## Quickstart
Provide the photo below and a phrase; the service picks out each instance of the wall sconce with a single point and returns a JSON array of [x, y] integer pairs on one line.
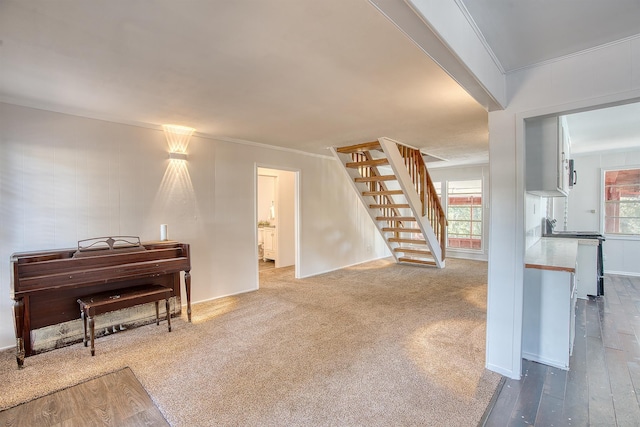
[[178, 140], [177, 156]]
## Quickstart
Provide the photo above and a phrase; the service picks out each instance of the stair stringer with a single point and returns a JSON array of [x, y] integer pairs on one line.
[[359, 188], [390, 149]]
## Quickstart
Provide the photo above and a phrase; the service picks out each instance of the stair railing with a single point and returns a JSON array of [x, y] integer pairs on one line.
[[431, 206], [377, 186]]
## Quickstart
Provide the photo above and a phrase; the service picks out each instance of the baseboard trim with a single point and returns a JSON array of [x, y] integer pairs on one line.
[[545, 361], [623, 273], [344, 266], [500, 370]]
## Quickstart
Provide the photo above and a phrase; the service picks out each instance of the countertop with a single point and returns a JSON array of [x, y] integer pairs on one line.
[[550, 253]]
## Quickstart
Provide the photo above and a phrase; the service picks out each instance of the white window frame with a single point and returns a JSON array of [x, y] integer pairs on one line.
[[444, 188]]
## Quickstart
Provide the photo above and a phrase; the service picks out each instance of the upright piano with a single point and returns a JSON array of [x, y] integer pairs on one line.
[[46, 285]]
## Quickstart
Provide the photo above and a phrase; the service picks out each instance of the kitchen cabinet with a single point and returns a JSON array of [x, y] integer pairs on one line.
[[549, 302], [270, 244], [547, 151], [548, 316]]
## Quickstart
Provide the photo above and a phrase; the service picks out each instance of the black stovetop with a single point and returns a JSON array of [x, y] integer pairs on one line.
[[576, 234]]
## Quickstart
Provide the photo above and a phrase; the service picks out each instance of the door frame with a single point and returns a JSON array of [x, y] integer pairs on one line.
[[296, 214]]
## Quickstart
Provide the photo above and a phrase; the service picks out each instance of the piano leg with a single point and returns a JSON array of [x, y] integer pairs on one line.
[[157, 314], [168, 306], [93, 335], [84, 328], [18, 312], [187, 286]]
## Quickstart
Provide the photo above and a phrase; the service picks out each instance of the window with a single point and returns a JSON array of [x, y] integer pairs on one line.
[[622, 201], [464, 212]]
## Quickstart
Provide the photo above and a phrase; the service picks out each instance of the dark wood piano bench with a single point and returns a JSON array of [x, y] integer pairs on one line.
[[118, 299]]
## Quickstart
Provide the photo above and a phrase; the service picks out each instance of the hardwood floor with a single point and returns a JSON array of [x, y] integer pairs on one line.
[[602, 387], [116, 399]]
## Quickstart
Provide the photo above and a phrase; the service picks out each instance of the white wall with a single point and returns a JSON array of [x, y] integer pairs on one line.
[[596, 77], [535, 210], [65, 178], [463, 173], [621, 253]]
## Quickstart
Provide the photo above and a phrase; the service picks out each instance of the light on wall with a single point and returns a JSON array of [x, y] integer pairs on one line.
[[178, 140]]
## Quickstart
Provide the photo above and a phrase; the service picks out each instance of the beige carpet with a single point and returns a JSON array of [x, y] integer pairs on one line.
[[377, 344]]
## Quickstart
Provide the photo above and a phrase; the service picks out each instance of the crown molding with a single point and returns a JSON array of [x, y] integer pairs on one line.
[[119, 120]]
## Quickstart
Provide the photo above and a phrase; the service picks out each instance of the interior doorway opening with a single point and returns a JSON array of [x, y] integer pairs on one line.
[[277, 218]]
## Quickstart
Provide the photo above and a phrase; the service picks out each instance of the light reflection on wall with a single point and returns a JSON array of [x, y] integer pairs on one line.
[[176, 190], [175, 199], [177, 137]]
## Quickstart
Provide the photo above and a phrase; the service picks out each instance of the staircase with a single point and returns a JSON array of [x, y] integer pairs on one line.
[[392, 181]]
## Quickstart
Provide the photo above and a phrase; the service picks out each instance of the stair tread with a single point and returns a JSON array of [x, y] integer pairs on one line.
[[402, 230], [368, 163], [412, 251], [382, 193], [417, 261], [395, 218], [376, 178], [391, 206], [366, 146], [411, 241]]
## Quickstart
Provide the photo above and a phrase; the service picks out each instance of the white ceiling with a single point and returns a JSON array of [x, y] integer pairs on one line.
[[292, 73], [608, 129], [523, 33], [297, 74]]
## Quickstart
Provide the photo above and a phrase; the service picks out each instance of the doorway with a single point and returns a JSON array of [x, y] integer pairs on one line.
[[276, 218]]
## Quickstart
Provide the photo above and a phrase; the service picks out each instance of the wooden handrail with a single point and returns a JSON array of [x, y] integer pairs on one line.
[[431, 206], [369, 171]]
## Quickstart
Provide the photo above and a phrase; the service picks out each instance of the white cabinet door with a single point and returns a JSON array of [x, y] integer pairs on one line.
[[270, 243], [546, 157]]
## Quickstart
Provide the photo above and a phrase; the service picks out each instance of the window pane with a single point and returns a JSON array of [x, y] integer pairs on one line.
[[477, 213], [629, 225], [477, 230], [459, 228], [459, 212], [622, 201]]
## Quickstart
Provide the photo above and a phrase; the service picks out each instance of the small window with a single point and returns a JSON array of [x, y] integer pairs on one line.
[[622, 202], [464, 213]]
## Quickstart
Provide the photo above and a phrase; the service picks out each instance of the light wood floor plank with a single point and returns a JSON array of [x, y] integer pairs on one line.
[[115, 399]]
